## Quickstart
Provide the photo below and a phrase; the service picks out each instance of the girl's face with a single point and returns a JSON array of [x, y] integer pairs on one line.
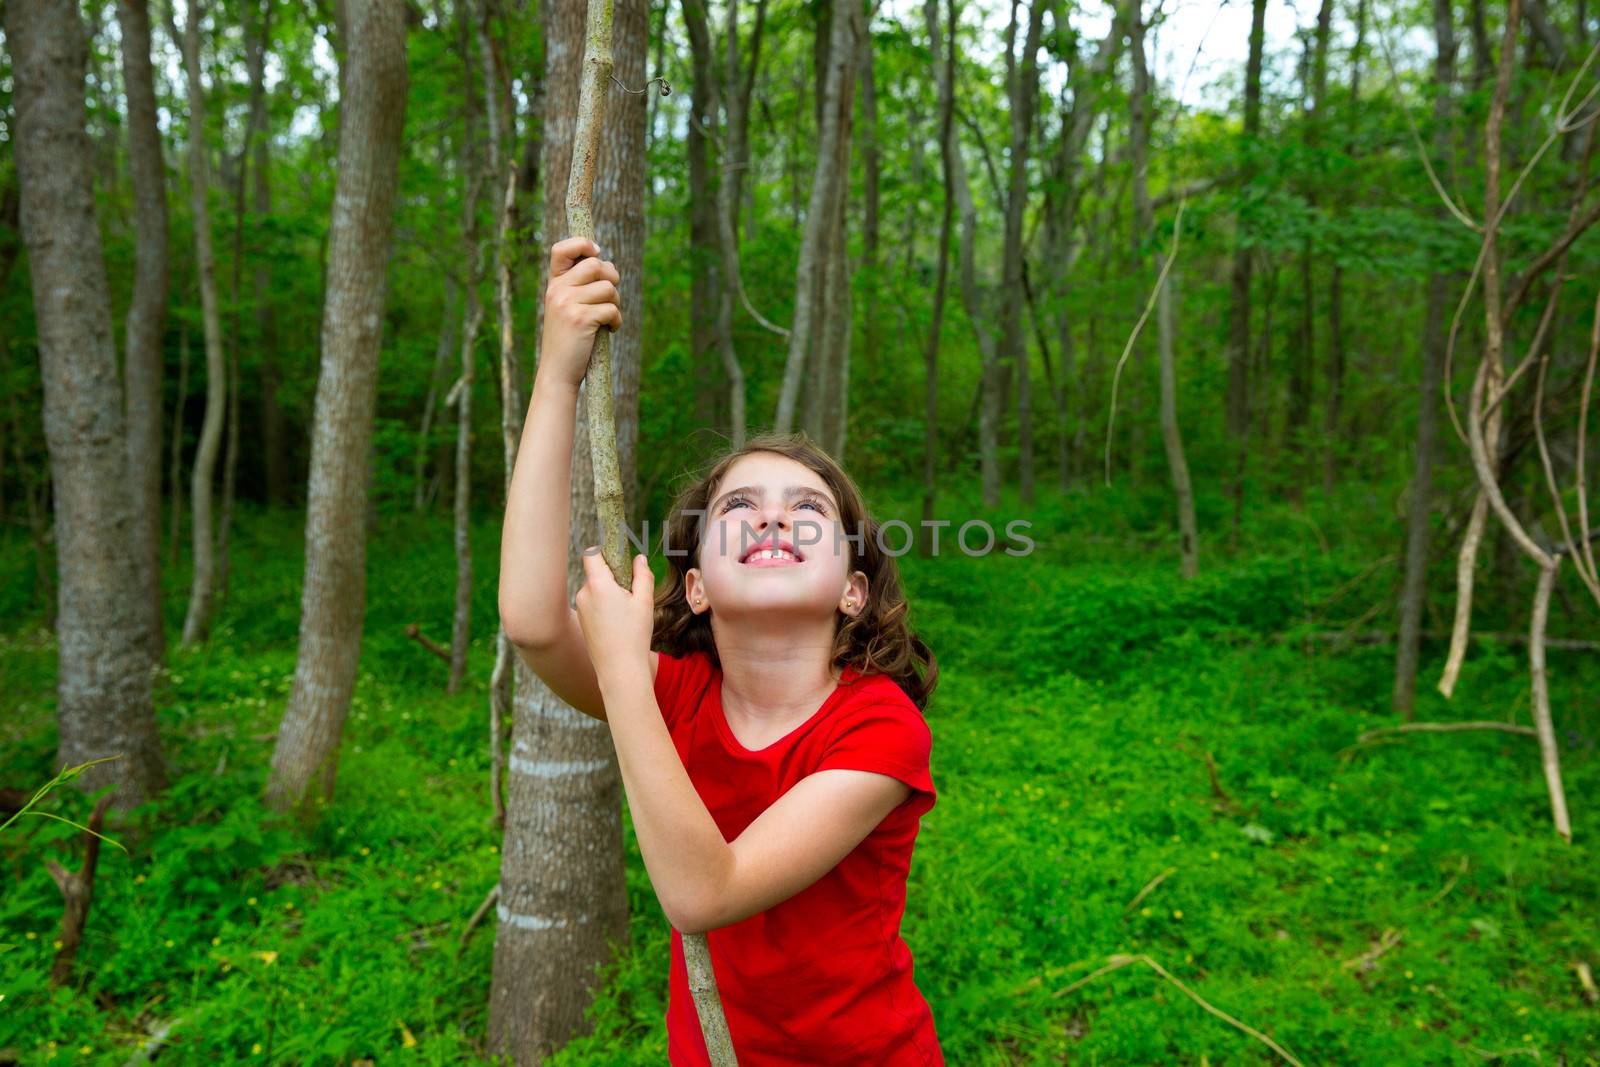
[[774, 546]]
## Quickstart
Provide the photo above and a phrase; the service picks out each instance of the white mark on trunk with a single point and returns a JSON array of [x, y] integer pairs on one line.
[[557, 768], [532, 922]]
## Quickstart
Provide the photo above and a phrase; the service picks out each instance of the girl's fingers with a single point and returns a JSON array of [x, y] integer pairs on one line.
[[603, 291], [592, 269], [563, 254]]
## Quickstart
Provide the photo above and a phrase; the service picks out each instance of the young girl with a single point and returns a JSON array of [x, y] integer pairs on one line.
[[774, 753]]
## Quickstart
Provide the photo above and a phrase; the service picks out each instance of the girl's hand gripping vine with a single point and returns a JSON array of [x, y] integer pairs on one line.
[[580, 298]]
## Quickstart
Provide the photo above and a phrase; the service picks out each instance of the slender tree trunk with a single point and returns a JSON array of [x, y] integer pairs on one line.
[[1172, 438], [103, 709], [441, 361], [1333, 412], [256, 38], [202, 591], [1022, 82], [472, 173], [705, 253], [507, 664], [563, 898], [824, 185], [1239, 304], [945, 68], [175, 477], [371, 116], [870, 207], [736, 94], [273, 435], [1467, 560], [147, 312], [1419, 511]]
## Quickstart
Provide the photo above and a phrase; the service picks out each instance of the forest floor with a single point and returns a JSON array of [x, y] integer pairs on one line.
[[1127, 764]]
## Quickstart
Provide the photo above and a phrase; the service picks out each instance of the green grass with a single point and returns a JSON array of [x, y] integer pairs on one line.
[[1084, 688]]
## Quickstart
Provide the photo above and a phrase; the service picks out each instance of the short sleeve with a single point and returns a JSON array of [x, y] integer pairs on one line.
[[676, 685], [892, 739]]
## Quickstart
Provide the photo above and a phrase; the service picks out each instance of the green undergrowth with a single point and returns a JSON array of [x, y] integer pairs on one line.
[[1128, 764]]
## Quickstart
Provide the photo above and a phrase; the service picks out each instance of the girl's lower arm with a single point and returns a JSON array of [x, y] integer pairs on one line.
[[533, 540]]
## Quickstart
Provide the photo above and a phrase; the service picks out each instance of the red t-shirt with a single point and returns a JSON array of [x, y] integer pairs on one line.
[[822, 978]]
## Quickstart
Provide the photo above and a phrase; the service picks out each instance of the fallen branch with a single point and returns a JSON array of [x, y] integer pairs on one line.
[[1586, 981], [1120, 960], [477, 917], [1447, 728], [1379, 637], [77, 890], [1210, 761], [1369, 959], [414, 632], [158, 1040], [1148, 889]]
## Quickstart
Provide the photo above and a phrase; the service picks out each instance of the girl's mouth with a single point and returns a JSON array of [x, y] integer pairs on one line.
[[771, 554]]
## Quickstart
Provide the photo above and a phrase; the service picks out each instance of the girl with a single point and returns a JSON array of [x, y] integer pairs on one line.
[[774, 753]]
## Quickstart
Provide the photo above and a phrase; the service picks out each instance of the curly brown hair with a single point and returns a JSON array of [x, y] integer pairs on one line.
[[878, 640]]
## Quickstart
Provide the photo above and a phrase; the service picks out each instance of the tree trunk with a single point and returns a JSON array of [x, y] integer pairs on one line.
[[103, 709], [870, 209], [824, 185], [563, 896], [1062, 236], [175, 475], [273, 439], [1239, 303], [472, 172], [430, 404], [705, 253], [371, 117], [1022, 84], [1333, 411], [1414, 586], [202, 591], [1172, 438], [256, 43], [945, 68], [147, 312]]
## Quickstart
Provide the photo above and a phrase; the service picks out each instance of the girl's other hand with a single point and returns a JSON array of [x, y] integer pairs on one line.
[[580, 298], [616, 622]]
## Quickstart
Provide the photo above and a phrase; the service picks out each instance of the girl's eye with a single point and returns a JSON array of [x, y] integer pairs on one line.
[[732, 501], [815, 504]]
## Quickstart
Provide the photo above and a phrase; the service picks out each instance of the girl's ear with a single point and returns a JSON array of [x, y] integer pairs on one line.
[[854, 600], [694, 590]]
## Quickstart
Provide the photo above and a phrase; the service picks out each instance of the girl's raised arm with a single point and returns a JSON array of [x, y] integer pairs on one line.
[[580, 298]]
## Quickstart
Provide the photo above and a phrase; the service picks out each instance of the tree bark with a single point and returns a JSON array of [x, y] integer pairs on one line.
[[103, 706], [202, 590], [371, 117], [563, 897], [147, 312]]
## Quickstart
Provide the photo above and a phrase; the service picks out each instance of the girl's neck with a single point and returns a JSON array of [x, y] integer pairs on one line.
[[773, 677]]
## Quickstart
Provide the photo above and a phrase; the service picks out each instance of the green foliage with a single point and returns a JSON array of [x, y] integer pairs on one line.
[[1071, 755]]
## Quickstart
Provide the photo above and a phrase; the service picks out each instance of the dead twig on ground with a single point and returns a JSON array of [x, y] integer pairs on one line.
[[1120, 960]]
